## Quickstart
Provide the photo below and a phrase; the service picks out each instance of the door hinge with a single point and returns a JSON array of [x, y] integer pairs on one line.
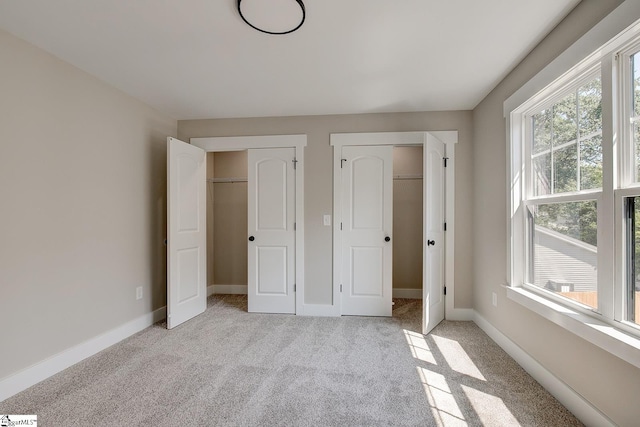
[[295, 163], [445, 226], [294, 226], [445, 161], [342, 162], [294, 287], [340, 226], [340, 287], [445, 290]]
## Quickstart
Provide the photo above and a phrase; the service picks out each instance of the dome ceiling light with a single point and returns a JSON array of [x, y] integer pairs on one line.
[[276, 17]]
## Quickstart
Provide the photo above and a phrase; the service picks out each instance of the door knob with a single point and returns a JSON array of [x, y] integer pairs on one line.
[[431, 242], [387, 239], [251, 238]]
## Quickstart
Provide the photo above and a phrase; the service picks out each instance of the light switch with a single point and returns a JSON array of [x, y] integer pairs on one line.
[[326, 219]]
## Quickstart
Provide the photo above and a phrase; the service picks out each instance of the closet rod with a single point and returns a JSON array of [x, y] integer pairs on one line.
[[406, 177], [226, 180]]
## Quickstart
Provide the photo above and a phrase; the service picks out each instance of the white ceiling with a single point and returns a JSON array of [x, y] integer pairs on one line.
[[198, 59]]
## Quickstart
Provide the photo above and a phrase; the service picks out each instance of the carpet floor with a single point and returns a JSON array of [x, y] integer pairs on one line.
[[228, 367]]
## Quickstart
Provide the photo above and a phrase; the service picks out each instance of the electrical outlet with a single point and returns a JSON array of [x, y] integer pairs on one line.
[[139, 292], [494, 298]]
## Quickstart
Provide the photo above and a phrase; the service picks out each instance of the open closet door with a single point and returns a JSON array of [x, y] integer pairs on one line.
[[186, 231], [433, 288]]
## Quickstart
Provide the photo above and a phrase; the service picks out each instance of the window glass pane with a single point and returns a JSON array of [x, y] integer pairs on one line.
[[565, 169], [542, 174], [541, 131], [590, 108], [591, 163], [633, 257], [564, 250], [635, 114], [635, 67], [564, 120], [636, 140]]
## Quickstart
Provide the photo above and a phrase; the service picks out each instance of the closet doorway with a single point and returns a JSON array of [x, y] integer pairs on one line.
[[275, 223], [227, 222], [363, 232]]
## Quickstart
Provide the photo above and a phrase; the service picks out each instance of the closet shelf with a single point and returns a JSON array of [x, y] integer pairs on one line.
[[226, 180]]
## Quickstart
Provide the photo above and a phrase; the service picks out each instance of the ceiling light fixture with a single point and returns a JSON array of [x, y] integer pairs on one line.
[[286, 31]]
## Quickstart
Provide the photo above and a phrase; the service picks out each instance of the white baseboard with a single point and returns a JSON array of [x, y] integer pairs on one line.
[[574, 402], [227, 289], [460, 314], [407, 293], [42, 370]]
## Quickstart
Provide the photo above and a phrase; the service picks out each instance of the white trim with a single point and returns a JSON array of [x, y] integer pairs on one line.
[[604, 326], [237, 143], [378, 138], [450, 201], [42, 370], [407, 293], [449, 138], [587, 327], [241, 143], [227, 289], [574, 402]]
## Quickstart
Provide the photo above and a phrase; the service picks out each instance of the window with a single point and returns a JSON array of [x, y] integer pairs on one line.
[[575, 189], [631, 147], [564, 159]]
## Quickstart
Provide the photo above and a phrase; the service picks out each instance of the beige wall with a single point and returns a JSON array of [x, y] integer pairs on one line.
[[230, 220], [82, 206], [407, 218], [319, 178], [604, 380]]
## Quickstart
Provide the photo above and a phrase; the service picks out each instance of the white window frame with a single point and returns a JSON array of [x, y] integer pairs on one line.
[[605, 327], [555, 93]]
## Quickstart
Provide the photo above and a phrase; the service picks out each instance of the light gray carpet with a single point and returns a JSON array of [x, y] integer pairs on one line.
[[230, 367]]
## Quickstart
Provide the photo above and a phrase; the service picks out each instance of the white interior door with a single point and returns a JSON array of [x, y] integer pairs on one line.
[[367, 223], [434, 247], [186, 231], [271, 217]]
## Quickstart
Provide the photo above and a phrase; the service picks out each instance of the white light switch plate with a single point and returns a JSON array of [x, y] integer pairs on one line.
[[326, 219]]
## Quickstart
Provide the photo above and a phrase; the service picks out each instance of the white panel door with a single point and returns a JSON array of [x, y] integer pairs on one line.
[[433, 289], [186, 231], [367, 223], [271, 251]]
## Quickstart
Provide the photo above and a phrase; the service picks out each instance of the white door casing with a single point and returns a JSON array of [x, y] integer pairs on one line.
[[271, 241], [450, 139], [433, 306], [367, 223], [186, 231]]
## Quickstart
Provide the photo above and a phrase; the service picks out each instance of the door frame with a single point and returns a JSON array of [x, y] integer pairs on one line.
[[449, 138], [298, 142]]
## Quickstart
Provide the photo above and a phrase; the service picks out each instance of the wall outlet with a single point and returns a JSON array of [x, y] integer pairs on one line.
[[494, 299], [326, 219], [139, 292]]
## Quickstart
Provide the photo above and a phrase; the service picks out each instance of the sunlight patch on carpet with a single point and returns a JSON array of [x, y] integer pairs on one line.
[[457, 358], [491, 410], [419, 348], [443, 404]]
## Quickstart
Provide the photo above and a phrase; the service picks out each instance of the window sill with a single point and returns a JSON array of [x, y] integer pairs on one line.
[[597, 332]]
